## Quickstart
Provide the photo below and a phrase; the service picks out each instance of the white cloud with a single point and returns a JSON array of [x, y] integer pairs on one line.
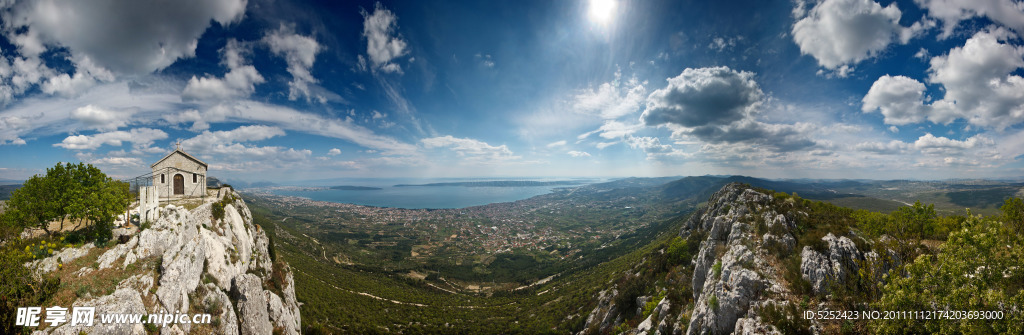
[[117, 161], [611, 100], [893, 147], [140, 138], [928, 144], [102, 119], [126, 36], [231, 152], [87, 74], [575, 153], [901, 100], [239, 82], [382, 42], [309, 123], [704, 96], [951, 12], [191, 115], [471, 149], [219, 141], [556, 144], [300, 54], [334, 152], [979, 81], [931, 144], [485, 60], [721, 44], [840, 33]]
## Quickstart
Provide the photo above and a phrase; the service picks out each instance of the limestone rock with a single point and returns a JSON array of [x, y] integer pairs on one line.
[[252, 304], [834, 266], [66, 255], [123, 300], [190, 247]]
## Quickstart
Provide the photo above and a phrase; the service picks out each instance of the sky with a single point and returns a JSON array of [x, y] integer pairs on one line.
[[280, 91]]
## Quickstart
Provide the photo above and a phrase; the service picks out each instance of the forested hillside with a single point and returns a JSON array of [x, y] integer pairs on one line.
[[748, 260]]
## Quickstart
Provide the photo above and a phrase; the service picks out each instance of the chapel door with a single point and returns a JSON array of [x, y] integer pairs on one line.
[[179, 184]]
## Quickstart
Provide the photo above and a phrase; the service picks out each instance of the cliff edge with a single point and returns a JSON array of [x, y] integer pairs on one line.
[[211, 259]]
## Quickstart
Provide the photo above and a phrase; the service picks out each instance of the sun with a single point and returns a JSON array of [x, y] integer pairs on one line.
[[602, 11]]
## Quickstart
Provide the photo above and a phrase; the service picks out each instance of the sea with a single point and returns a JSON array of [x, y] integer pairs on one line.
[[417, 197]]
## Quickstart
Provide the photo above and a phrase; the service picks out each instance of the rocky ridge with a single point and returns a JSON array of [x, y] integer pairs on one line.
[[200, 265], [737, 273]]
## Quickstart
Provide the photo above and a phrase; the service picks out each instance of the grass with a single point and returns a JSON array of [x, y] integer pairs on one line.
[[98, 282]]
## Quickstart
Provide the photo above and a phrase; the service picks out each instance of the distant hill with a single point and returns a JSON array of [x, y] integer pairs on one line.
[[500, 183], [354, 188], [5, 191]]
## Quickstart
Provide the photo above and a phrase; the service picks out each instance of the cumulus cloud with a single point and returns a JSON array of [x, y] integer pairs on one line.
[[239, 82], [383, 44], [928, 144], [979, 83], [140, 138], [575, 153], [931, 144], [901, 100], [101, 118], [20, 74], [334, 152], [300, 54], [841, 33], [951, 12], [893, 147], [125, 36], [704, 96], [87, 74], [781, 137], [471, 149]]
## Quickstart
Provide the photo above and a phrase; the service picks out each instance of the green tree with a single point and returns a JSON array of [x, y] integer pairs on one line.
[[67, 193]]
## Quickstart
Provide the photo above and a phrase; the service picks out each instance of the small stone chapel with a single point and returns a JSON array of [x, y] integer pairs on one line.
[[179, 175]]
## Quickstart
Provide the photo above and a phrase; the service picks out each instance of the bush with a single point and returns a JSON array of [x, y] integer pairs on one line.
[[20, 288], [1013, 214], [978, 269]]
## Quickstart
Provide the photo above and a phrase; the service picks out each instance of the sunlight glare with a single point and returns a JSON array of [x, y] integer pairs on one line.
[[601, 11]]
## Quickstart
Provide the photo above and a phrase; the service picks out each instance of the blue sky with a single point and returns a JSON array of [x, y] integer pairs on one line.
[[275, 90]]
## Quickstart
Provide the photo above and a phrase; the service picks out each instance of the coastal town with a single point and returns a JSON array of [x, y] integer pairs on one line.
[[554, 225]]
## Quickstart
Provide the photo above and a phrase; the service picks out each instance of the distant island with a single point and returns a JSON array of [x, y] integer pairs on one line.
[[354, 188], [502, 183]]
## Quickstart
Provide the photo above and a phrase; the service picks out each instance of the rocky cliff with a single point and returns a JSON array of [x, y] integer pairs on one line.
[[739, 280], [189, 262]]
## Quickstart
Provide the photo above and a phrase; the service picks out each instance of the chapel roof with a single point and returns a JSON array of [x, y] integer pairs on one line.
[[178, 150]]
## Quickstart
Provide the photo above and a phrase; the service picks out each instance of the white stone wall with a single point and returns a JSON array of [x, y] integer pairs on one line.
[[149, 206], [186, 167]]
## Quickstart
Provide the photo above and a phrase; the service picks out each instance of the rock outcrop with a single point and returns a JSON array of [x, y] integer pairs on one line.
[[191, 263], [737, 272]]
